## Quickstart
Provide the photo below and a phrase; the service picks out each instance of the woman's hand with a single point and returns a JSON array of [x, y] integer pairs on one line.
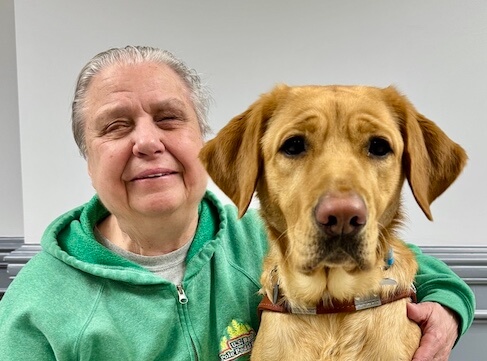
[[439, 326]]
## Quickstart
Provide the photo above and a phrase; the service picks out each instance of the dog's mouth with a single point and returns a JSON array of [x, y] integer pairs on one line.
[[345, 252]]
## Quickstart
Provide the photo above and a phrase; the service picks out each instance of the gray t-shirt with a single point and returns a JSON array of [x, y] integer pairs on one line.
[[170, 266]]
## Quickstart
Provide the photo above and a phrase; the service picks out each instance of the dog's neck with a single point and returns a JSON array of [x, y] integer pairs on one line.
[[329, 305], [306, 290]]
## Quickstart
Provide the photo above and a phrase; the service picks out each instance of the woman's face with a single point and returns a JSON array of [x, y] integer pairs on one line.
[[143, 140]]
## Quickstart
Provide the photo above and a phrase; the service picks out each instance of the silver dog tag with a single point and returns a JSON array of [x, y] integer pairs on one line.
[[303, 311], [388, 282], [362, 303], [275, 293]]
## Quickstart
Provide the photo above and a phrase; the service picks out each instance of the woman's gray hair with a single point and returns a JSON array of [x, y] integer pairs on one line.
[[200, 95]]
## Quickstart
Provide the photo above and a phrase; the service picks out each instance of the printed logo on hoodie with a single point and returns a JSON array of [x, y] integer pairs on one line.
[[237, 341]]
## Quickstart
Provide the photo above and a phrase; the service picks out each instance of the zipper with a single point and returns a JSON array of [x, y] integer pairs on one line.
[[182, 295], [183, 299]]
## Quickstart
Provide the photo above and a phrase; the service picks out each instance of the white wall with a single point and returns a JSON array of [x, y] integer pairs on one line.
[[10, 172], [434, 51]]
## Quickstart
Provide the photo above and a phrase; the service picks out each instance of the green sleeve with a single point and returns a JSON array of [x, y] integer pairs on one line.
[[436, 282], [20, 338]]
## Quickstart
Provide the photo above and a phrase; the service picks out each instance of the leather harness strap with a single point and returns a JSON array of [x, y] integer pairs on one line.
[[336, 306]]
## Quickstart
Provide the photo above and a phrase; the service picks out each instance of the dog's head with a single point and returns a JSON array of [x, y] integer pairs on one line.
[[328, 164]]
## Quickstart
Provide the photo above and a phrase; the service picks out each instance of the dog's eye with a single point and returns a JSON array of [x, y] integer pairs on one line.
[[294, 146], [379, 147]]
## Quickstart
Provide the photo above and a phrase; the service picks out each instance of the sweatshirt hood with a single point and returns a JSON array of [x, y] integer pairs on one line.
[[70, 239]]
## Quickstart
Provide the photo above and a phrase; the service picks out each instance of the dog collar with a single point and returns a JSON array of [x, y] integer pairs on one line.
[[335, 306], [279, 303]]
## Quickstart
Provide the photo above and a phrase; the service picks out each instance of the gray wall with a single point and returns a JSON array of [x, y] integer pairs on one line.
[[11, 221], [434, 51]]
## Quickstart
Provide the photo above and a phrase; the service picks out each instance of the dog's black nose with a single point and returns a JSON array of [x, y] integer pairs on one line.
[[341, 213]]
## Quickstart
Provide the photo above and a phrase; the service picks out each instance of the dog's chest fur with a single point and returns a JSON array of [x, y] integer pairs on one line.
[[374, 334]]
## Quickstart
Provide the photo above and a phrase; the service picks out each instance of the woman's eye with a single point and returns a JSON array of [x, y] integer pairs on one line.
[[165, 118], [116, 126], [294, 146], [379, 147], [167, 115]]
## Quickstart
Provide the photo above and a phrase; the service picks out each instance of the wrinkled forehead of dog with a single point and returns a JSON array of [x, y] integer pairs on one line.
[[355, 114], [337, 104]]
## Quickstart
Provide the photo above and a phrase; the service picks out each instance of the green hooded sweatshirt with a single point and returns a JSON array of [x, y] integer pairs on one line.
[[77, 300]]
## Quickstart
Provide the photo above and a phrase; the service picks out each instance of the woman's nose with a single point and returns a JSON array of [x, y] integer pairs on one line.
[[147, 139]]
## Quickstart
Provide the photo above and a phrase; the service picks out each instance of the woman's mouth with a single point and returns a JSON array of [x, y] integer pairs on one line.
[[152, 174]]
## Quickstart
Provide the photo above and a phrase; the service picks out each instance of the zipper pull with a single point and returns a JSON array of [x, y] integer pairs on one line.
[[182, 296]]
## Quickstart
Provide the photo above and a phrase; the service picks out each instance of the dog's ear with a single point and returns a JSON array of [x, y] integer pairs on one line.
[[431, 160], [233, 158]]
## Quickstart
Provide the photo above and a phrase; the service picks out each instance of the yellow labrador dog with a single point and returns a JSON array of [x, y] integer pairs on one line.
[[328, 164]]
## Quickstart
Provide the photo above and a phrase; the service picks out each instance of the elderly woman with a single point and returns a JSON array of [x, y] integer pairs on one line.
[[154, 267]]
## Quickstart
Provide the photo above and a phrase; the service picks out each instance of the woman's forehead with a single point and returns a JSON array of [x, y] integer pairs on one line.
[[153, 86]]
